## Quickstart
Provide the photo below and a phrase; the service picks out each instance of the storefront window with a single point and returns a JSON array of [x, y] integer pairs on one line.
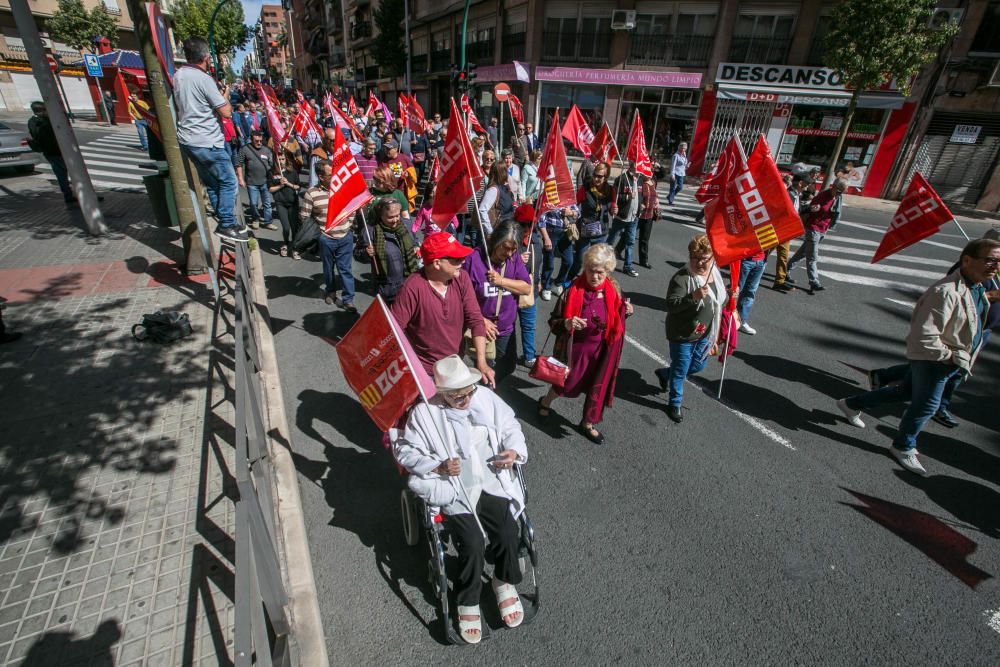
[[590, 100], [812, 134], [664, 122]]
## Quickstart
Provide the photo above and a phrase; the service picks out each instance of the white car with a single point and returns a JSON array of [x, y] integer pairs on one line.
[[14, 151]]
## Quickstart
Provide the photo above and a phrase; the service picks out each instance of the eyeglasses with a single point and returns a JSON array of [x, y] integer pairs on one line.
[[461, 395], [599, 177], [991, 262], [700, 258]]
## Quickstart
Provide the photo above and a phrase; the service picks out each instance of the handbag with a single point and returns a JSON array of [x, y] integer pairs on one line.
[[572, 232], [491, 345], [528, 300], [550, 369]]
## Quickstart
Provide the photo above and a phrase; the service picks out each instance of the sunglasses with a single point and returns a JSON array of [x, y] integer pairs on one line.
[[461, 394]]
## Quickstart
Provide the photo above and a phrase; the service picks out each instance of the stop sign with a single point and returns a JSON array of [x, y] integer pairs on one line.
[[501, 91], [53, 63]]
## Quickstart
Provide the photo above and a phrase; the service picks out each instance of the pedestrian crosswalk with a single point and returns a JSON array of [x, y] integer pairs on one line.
[[846, 252], [113, 162]]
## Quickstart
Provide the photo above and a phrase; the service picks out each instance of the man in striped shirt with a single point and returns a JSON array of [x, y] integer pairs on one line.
[[336, 244]]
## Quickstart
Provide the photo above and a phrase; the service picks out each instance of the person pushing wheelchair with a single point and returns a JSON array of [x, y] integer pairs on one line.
[[473, 422]]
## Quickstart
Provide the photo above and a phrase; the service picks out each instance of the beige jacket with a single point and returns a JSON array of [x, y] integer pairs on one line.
[[944, 324]]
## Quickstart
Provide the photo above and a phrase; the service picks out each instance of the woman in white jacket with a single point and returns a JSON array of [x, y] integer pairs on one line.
[[460, 450]]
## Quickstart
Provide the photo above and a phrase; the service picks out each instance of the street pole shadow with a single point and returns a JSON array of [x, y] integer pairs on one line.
[[936, 539]]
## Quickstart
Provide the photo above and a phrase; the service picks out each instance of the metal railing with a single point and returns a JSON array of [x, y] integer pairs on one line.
[[513, 47], [691, 50], [361, 30], [767, 50], [260, 594], [480, 53]]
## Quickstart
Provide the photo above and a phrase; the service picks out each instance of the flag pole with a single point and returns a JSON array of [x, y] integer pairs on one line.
[[423, 396], [739, 145], [368, 238], [960, 229], [725, 356], [479, 219]]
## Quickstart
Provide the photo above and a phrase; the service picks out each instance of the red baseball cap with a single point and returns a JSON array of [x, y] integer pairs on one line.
[[440, 245], [525, 214]]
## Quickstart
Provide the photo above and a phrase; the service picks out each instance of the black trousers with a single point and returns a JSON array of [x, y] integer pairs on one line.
[[289, 218], [645, 229], [506, 360], [502, 530]]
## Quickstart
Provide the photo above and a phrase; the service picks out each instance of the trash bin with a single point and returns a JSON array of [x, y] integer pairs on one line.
[[161, 198]]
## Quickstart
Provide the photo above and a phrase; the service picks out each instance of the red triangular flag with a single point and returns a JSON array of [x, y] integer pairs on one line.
[[373, 104], [348, 190], [458, 168], [553, 171], [418, 121], [274, 123], [727, 164], [636, 149], [921, 213], [516, 108], [753, 213], [352, 108], [343, 121], [577, 132], [603, 145], [470, 116], [402, 110]]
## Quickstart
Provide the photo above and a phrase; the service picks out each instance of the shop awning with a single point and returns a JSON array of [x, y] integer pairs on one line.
[[829, 98], [137, 74]]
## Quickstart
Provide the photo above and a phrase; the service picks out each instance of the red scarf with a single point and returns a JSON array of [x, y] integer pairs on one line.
[[574, 305]]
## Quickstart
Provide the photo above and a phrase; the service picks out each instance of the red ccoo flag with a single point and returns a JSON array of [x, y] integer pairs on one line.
[[274, 123], [348, 190], [726, 166], [373, 104], [636, 149], [920, 214], [352, 108], [603, 145], [459, 168], [753, 213], [418, 120], [343, 121], [470, 115], [516, 108], [577, 132], [381, 367], [553, 171], [403, 110]]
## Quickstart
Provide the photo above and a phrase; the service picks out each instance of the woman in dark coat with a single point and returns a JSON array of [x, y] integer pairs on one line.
[[594, 311]]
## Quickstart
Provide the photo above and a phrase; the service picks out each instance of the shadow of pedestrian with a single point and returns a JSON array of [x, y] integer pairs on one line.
[[631, 386], [955, 453], [825, 382], [968, 501], [55, 648], [331, 325]]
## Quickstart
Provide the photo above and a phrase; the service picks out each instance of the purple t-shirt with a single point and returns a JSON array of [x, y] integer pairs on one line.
[[486, 294]]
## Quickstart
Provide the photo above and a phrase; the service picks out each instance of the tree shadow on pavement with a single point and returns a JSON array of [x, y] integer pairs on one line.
[[56, 648], [362, 488], [939, 541], [824, 382]]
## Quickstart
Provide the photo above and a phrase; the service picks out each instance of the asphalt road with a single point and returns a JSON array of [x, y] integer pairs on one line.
[[762, 530]]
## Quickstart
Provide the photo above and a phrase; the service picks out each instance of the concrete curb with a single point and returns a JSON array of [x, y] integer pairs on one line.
[[308, 641]]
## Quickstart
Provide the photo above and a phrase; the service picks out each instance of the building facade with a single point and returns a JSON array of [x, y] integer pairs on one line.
[[271, 38]]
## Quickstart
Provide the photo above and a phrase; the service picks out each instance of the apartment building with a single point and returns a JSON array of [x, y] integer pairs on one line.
[[271, 40]]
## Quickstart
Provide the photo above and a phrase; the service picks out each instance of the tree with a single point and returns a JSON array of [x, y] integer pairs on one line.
[[72, 24], [191, 19], [388, 49], [872, 42]]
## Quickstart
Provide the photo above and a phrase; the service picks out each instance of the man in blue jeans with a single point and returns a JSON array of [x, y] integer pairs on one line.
[[946, 333], [254, 165], [751, 271], [336, 245], [200, 104], [626, 222]]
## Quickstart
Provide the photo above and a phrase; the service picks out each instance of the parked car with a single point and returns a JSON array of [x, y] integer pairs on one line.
[[14, 151]]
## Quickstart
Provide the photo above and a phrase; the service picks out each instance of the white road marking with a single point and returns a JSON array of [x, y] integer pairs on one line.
[[760, 426], [895, 270], [907, 304], [871, 282], [870, 228], [98, 172], [993, 619], [833, 247]]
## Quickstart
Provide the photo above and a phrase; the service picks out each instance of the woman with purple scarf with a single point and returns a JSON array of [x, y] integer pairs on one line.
[[591, 314]]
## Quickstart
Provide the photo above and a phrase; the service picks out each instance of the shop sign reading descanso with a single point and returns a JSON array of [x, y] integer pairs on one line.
[[780, 75]]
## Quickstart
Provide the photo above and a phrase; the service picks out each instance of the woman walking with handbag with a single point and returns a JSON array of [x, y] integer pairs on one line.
[[499, 278], [589, 324], [597, 206]]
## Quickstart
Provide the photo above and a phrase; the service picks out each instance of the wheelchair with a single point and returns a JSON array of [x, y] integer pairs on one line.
[[420, 519]]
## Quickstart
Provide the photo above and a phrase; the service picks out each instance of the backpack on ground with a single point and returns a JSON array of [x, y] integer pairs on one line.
[[163, 326]]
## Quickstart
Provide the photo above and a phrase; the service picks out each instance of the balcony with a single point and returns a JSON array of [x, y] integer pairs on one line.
[[419, 63], [766, 50], [577, 47], [513, 47], [480, 53], [441, 60], [361, 30], [687, 50]]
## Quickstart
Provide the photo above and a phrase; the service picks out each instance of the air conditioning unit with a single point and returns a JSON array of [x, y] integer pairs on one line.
[[623, 19], [943, 16]]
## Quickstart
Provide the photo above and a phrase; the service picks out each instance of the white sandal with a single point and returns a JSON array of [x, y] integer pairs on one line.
[[505, 592], [465, 626]]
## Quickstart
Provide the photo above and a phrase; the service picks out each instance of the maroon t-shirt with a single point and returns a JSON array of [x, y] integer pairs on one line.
[[435, 324]]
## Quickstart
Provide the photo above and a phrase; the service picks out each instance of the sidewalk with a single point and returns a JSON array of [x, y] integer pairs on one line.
[[116, 528]]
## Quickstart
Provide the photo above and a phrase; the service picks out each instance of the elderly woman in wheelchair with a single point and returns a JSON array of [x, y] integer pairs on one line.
[[462, 450]]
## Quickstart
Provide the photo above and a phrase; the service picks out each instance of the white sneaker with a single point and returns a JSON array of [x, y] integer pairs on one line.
[[557, 290], [853, 416], [747, 329], [908, 460], [546, 295]]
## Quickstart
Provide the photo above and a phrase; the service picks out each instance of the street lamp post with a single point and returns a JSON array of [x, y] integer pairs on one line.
[[211, 34]]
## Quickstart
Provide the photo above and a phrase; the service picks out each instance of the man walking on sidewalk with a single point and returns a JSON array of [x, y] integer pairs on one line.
[[200, 105], [43, 140], [253, 167], [823, 214]]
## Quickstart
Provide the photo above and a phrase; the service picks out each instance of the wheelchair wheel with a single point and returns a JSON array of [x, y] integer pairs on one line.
[[411, 520]]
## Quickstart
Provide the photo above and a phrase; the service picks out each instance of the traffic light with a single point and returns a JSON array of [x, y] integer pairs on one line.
[[470, 74]]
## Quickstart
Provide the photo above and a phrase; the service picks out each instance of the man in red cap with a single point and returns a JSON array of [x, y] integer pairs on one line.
[[437, 304]]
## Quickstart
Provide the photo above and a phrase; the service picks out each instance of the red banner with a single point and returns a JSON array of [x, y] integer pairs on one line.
[[373, 104], [274, 123], [727, 165], [920, 214], [381, 367], [754, 212], [352, 108], [636, 149], [402, 110], [418, 120], [458, 168], [348, 190], [303, 125], [470, 117], [577, 132], [603, 145], [343, 121], [553, 171], [516, 108]]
